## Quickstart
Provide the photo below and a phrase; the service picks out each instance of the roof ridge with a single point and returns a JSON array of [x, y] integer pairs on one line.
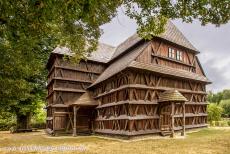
[[107, 44]]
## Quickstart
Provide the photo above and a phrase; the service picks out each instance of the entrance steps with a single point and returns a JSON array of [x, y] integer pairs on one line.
[[166, 133]]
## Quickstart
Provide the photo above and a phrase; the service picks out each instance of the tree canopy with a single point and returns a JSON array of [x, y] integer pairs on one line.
[[76, 24], [30, 29]]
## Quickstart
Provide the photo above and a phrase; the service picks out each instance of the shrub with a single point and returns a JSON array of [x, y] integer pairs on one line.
[[214, 112], [7, 120], [4, 126], [213, 123]]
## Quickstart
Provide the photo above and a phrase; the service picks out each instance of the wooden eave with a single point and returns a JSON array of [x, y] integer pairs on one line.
[[169, 71], [133, 102], [69, 90], [68, 79], [57, 106], [66, 90], [142, 102], [140, 86]]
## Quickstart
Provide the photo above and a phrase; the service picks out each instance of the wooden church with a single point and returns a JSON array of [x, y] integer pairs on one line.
[[139, 87]]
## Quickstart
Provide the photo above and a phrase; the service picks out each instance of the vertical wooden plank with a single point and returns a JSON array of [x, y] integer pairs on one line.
[[183, 131]]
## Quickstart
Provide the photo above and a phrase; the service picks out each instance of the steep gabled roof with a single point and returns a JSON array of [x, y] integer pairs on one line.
[[120, 64], [172, 34], [106, 53]]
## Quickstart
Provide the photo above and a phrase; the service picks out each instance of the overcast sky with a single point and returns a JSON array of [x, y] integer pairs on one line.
[[213, 43]]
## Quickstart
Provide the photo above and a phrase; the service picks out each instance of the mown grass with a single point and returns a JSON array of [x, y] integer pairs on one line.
[[205, 141]]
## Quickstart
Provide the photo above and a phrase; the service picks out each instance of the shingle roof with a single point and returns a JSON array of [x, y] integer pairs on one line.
[[132, 40], [172, 95], [171, 34], [120, 64], [85, 100], [103, 53], [168, 71]]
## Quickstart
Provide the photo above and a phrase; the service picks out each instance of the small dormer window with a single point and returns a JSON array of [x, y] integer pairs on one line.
[[171, 53], [179, 55]]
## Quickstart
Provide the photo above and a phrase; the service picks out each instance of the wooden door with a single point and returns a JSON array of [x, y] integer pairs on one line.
[[165, 117], [84, 120]]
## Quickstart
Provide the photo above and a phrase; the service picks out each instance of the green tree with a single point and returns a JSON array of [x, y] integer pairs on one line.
[[22, 82], [29, 29], [226, 94], [214, 112], [225, 104], [75, 24], [215, 98]]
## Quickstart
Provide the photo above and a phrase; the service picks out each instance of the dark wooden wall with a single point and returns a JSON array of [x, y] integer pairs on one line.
[[129, 100], [66, 83], [157, 53]]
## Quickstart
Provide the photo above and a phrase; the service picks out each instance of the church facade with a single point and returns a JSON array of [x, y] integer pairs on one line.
[[139, 87]]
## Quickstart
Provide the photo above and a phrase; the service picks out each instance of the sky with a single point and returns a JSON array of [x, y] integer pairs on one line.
[[212, 42]]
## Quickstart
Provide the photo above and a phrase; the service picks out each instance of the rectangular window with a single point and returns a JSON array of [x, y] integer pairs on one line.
[[179, 55], [171, 53]]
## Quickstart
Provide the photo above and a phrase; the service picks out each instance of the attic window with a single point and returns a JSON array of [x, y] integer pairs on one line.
[[179, 55], [171, 53]]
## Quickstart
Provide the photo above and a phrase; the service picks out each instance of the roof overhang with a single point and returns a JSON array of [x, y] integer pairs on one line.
[[169, 71]]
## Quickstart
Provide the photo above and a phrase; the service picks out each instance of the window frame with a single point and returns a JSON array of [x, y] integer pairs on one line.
[[171, 53], [179, 55]]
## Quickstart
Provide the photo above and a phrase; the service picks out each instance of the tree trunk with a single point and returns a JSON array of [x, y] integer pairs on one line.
[[23, 121]]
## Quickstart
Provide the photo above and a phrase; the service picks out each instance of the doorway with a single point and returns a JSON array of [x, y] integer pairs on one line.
[[165, 117]]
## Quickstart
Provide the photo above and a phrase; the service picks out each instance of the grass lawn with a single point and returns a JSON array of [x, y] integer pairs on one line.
[[205, 141]]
